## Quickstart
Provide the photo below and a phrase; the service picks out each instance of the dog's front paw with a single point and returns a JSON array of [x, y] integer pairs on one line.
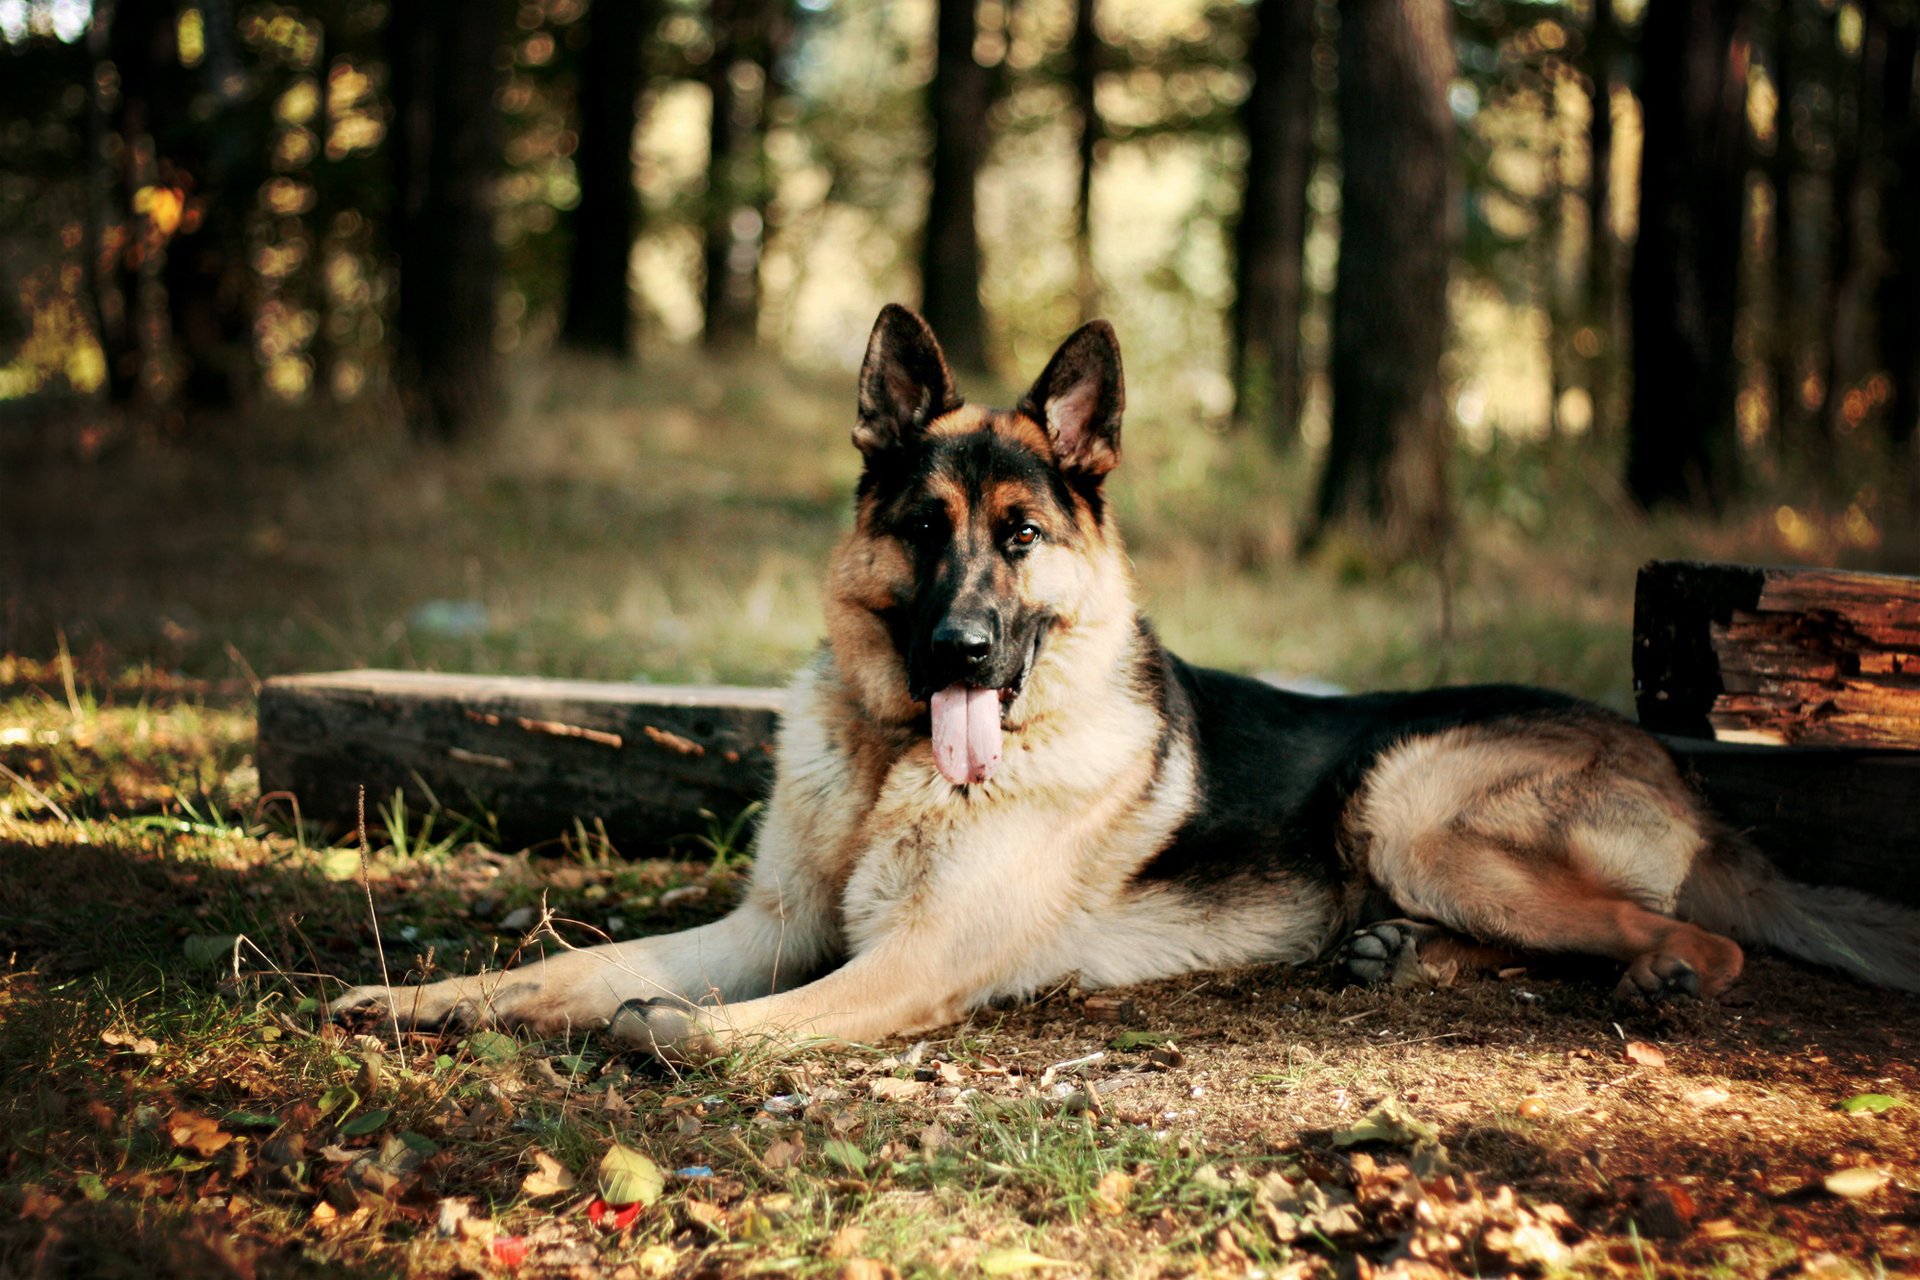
[[438, 1004], [671, 1029]]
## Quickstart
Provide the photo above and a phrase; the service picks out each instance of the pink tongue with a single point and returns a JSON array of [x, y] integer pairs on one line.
[[966, 733]]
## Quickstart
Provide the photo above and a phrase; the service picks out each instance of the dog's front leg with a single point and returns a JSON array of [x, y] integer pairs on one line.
[[929, 942], [749, 953]]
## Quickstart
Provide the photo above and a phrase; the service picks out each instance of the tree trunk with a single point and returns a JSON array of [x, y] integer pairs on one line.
[[1785, 358], [129, 298], [1603, 264], [445, 150], [747, 38], [1270, 239], [959, 100], [1681, 445], [1088, 54], [1899, 294], [1385, 473], [1857, 90], [599, 313]]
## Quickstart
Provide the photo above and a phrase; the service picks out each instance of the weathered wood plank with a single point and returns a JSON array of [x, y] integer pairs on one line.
[[536, 755], [1807, 657], [1825, 815]]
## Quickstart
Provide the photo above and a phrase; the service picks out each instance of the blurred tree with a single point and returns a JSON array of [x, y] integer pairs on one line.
[[1385, 471], [444, 149], [599, 307], [1088, 57], [1603, 248], [960, 100], [1898, 299], [1858, 64], [748, 39], [138, 215], [1788, 56], [217, 159], [1682, 446], [1270, 237]]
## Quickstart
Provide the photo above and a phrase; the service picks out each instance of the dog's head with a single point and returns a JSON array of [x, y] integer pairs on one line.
[[982, 539]]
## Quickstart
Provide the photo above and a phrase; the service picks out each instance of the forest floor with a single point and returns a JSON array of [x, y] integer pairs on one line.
[[173, 1102]]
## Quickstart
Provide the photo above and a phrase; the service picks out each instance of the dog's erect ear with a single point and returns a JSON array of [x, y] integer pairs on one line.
[[1079, 399], [904, 381]]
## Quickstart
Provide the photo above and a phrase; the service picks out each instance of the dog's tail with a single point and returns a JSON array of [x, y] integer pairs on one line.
[[1734, 889]]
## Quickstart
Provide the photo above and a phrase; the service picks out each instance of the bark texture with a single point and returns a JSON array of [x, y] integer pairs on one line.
[[1270, 239], [1385, 474], [959, 101], [1681, 440], [599, 314], [445, 150]]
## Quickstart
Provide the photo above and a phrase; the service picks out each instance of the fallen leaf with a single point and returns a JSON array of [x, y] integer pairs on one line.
[[627, 1177], [1667, 1211], [37, 1204], [204, 949], [1127, 1041], [126, 1042], [846, 1242], [197, 1133], [548, 1178], [1111, 1194], [784, 1153], [364, 1123], [1855, 1183], [657, 1260], [1869, 1103], [492, 1047], [888, 1089], [846, 1155], [1643, 1054], [867, 1269], [709, 1217], [1390, 1122], [1007, 1262], [1704, 1098]]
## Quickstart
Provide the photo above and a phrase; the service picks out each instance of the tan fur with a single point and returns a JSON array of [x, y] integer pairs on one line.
[[1554, 835]]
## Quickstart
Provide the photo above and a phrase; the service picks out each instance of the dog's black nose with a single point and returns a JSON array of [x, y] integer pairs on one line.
[[963, 642]]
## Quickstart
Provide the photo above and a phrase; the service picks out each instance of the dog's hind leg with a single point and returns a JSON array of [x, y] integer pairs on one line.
[[1557, 836], [1531, 901]]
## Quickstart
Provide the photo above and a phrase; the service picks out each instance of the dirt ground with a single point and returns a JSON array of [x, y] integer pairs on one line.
[[174, 1103]]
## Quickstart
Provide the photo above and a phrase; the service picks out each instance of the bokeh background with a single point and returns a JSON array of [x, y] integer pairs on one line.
[[519, 336]]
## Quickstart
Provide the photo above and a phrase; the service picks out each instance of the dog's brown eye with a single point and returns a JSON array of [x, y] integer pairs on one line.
[[1026, 535]]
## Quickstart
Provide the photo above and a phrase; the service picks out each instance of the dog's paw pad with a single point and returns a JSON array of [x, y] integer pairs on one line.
[[1387, 952]]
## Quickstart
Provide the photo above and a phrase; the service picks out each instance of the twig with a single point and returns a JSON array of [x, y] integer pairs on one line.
[[35, 793], [379, 947], [66, 674]]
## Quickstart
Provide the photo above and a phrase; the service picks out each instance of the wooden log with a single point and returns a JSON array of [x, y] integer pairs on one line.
[[1803, 657], [534, 755], [644, 760], [1824, 815]]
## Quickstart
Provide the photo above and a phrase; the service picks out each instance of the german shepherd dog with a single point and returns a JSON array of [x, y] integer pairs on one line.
[[993, 776]]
